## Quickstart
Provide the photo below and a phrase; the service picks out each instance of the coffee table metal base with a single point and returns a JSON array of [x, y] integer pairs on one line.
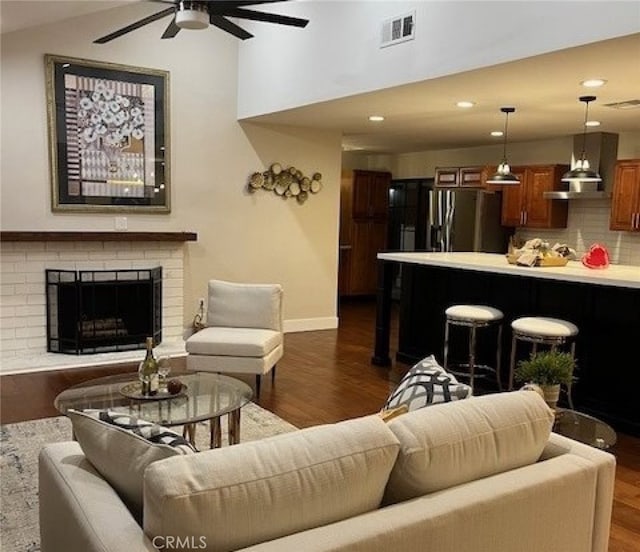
[[215, 430]]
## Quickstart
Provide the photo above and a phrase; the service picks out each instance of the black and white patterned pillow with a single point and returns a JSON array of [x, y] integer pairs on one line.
[[427, 383], [153, 433]]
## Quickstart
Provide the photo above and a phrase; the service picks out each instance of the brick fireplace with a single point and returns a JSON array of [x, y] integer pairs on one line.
[[24, 257]]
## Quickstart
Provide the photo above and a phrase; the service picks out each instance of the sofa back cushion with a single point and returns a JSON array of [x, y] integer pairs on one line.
[[257, 491], [244, 305], [453, 443]]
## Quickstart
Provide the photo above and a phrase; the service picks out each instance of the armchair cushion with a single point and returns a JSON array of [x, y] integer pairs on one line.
[[244, 305], [237, 342]]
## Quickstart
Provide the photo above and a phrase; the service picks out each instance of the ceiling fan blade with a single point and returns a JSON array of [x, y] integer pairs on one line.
[[171, 30], [262, 16], [226, 25], [134, 26]]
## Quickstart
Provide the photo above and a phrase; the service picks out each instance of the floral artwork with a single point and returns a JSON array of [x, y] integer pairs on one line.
[[110, 134], [112, 117], [108, 130]]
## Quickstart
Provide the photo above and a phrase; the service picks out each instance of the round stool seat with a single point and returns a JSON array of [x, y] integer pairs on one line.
[[473, 313], [544, 327]]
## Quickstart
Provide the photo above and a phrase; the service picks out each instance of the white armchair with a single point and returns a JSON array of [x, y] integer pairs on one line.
[[243, 331]]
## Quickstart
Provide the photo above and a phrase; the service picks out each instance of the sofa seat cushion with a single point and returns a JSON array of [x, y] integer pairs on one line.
[[261, 490], [452, 443], [120, 447], [237, 342], [427, 383]]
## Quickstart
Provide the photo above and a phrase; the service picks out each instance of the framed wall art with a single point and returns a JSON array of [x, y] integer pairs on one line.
[[108, 136]]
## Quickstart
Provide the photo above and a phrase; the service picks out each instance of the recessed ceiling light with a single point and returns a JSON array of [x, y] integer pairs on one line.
[[593, 83], [496, 133], [592, 123], [376, 118], [465, 104]]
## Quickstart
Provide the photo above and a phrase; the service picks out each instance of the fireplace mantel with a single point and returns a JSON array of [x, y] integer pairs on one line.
[[55, 236]]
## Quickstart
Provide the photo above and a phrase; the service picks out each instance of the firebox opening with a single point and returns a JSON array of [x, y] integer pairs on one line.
[[97, 311]]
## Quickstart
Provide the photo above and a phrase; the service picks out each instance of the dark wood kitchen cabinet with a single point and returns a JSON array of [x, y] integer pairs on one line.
[[625, 206], [460, 177], [364, 215], [524, 205]]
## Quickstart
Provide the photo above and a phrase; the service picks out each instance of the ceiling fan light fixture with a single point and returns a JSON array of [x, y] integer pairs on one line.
[[581, 171], [192, 16], [503, 175]]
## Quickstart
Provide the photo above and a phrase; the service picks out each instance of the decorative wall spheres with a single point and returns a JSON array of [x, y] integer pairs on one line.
[[286, 183]]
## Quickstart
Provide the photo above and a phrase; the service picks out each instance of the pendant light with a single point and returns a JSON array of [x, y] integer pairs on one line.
[[503, 174], [581, 172]]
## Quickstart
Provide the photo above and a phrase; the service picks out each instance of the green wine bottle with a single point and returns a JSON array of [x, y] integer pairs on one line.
[[148, 371]]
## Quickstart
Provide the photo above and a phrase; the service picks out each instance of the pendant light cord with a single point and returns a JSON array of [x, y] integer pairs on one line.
[[586, 100], [504, 147], [506, 111]]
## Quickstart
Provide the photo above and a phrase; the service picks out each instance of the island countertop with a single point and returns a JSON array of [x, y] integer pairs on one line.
[[614, 275]]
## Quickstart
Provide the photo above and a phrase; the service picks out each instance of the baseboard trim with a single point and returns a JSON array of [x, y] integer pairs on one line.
[[310, 324]]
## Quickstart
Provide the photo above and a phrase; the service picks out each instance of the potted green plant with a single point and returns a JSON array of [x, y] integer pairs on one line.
[[549, 370]]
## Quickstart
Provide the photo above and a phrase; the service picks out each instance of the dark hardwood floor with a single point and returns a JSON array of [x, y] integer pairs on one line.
[[324, 377]]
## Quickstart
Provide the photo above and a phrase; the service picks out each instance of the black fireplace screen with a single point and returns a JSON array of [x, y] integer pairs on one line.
[[97, 311]]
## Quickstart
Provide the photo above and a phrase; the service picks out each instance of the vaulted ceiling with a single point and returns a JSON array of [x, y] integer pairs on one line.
[[421, 116]]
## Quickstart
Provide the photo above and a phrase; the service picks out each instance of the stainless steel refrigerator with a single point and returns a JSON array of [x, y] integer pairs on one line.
[[465, 220]]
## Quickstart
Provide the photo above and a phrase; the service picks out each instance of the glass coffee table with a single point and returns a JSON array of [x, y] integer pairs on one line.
[[584, 428], [204, 397]]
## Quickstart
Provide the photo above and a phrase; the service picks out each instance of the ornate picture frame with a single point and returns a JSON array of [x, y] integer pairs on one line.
[[108, 130]]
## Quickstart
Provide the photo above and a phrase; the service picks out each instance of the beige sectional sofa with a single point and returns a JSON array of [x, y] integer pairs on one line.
[[480, 475]]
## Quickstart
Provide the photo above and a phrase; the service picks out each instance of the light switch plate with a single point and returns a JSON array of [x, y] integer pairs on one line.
[[121, 223]]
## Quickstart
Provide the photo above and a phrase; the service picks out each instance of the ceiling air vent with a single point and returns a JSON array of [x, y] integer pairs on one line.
[[398, 29], [629, 104]]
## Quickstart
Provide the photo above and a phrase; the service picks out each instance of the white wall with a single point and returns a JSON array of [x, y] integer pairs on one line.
[[241, 237], [338, 53], [588, 220]]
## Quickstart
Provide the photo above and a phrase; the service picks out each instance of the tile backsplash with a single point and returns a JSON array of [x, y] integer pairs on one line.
[[589, 223]]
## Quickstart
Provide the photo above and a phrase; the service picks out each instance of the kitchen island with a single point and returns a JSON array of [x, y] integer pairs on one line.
[[604, 304]]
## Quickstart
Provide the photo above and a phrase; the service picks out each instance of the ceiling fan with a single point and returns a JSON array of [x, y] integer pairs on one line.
[[198, 14]]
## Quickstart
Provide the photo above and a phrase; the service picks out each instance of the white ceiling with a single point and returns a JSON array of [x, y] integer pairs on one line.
[[21, 14], [421, 116], [543, 89]]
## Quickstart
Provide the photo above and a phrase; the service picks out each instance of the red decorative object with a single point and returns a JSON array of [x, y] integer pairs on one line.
[[596, 257]]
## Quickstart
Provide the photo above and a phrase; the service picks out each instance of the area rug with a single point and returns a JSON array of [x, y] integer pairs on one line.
[[19, 447]]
